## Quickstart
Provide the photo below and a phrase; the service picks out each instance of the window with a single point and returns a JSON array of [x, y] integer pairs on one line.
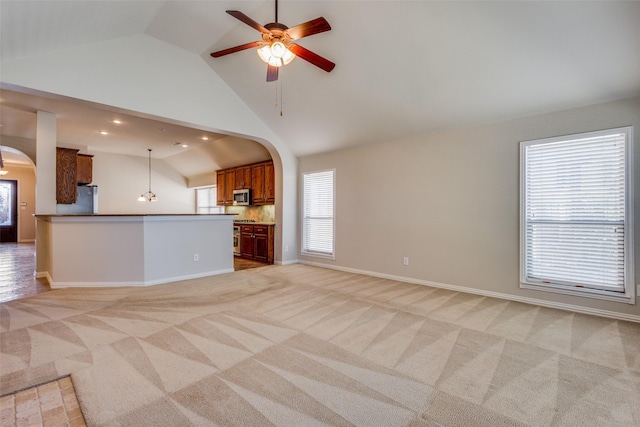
[[576, 220], [318, 214], [206, 201]]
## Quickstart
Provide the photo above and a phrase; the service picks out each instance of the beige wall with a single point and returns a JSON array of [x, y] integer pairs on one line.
[[26, 177], [450, 202]]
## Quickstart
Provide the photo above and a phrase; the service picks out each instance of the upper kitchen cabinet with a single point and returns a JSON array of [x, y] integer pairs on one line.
[[259, 177], [269, 183], [242, 177], [257, 183], [229, 186], [227, 181], [263, 183], [66, 175], [220, 188], [84, 173], [72, 169]]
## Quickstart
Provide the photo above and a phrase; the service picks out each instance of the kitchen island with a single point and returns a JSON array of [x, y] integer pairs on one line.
[[131, 250]]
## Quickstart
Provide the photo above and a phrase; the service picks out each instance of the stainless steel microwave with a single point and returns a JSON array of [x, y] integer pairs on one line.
[[242, 197]]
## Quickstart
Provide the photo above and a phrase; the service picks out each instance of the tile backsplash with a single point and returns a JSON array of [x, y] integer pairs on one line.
[[266, 213]]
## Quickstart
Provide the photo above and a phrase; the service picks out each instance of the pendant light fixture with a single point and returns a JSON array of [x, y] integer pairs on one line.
[[149, 196]]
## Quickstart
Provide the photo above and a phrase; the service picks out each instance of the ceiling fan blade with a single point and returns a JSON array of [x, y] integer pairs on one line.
[[315, 26], [272, 73], [311, 57], [250, 22], [236, 49]]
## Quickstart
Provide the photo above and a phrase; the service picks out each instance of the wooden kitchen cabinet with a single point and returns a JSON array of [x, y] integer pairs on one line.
[[84, 173], [242, 177], [259, 177], [220, 188], [247, 246], [225, 184], [66, 175], [269, 184], [263, 250], [229, 186], [263, 183], [257, 183], [256, 242]]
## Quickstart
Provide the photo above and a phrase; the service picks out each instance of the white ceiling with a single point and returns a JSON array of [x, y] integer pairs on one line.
[[79, 125], [404, 68]]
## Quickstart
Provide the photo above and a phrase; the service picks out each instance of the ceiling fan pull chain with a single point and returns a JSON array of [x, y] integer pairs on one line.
[[281, 97]]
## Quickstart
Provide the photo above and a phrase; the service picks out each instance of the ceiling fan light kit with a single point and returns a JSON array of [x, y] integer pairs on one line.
[[277, 48], [275, 54]]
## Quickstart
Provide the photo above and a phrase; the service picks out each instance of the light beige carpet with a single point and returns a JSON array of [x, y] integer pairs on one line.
[[304, 346]]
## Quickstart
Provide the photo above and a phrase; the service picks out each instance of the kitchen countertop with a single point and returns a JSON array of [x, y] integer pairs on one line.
[[253, 223]]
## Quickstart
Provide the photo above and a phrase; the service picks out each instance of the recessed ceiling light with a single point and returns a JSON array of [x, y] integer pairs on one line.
[[104, 132], [116, 121], [205, 138], [184, 145]]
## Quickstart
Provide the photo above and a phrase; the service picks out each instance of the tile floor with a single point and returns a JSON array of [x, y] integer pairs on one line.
[[51, 404]]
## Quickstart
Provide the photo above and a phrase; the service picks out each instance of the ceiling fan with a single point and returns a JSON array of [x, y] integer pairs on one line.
[[277, 47]]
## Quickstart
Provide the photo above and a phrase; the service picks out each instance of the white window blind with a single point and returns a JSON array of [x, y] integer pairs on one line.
[[318, 213], [574, 212]]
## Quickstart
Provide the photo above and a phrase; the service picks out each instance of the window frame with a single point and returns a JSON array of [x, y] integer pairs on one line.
[[303, 250], [629, 294], [210, 189]]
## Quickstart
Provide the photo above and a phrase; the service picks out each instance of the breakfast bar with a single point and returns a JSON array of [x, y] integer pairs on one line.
[[131, 250]]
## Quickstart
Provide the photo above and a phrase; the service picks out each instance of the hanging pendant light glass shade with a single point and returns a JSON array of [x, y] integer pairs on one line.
[[149, 196], [276, 54]]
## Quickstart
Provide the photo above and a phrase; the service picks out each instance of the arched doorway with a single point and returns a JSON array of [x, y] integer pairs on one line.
[[17, 197], [17, 234]]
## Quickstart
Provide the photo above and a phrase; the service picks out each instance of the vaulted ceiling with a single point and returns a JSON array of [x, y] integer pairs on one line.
[[404, 68]]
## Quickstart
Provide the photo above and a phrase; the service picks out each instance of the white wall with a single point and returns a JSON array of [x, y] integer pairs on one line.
[[142, 74], [121, 179], [450, 202]]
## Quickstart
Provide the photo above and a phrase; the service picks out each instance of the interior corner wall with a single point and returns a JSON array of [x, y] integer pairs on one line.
[[450, 203]]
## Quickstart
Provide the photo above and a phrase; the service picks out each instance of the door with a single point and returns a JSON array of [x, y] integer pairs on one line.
[[8, 211], [247, 249], [269, 183], [261, 247]]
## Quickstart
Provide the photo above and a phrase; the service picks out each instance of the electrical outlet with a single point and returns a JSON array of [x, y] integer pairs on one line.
[[196, 257], [405, 260], [286, 248]]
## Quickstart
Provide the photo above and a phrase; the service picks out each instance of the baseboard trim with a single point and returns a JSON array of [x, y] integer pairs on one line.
[[509, 297], [293, 261], [62, 285], [45, 275]]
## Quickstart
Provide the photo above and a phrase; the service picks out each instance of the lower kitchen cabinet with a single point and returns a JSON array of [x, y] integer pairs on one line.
[[256, 242]]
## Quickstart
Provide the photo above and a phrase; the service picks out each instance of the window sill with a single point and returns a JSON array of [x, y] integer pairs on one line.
[[318, 255], [627, 298]]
